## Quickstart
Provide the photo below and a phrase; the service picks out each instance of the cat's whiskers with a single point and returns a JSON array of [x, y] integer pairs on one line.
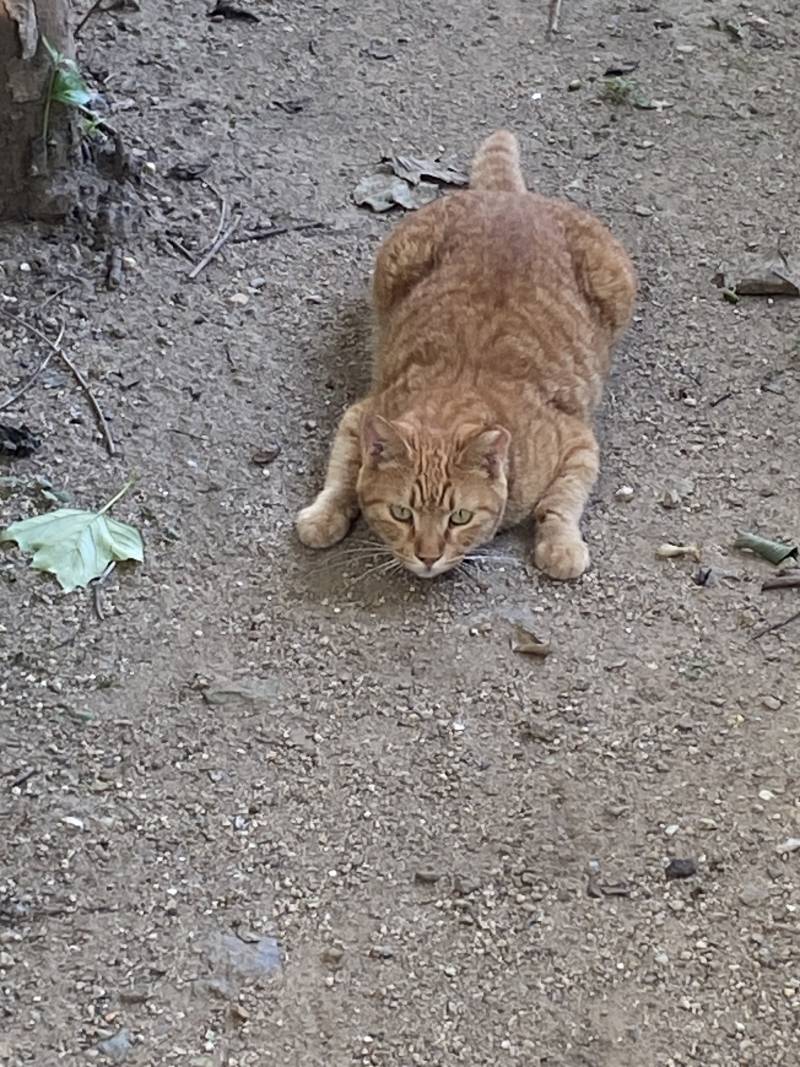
[[385, 568]]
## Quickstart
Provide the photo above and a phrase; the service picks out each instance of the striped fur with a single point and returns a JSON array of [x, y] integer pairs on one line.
[[496, 310], [495, 167]]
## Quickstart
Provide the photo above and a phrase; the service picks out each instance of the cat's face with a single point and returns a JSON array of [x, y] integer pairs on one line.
[[432, 499]]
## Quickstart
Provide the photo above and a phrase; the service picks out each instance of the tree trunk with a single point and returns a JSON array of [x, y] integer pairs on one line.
[[35, 164]]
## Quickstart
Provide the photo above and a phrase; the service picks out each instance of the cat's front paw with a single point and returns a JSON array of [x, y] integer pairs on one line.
[[562, 556], [322, 523]]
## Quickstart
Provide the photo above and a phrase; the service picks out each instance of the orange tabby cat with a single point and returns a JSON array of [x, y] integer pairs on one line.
[[496, 313]]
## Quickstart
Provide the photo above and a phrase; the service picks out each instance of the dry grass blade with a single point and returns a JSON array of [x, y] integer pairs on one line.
[[42, 366], [79, 378], [553, 16], [219, 243]]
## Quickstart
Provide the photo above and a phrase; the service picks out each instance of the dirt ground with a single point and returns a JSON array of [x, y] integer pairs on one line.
[[272, 810]]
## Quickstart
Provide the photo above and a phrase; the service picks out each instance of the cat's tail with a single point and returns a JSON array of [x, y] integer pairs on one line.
[[496, 165]]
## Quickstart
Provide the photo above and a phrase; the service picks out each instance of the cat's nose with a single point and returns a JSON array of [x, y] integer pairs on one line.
[[428, 561]]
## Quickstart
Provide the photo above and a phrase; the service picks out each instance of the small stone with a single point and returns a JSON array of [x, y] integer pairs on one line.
[[332, 955], [766, 794], [262, 457], [625, 493], [129, 263], [240, 299], [676, 904], [685, 48], [672, 829], [642, 211], [661, 958], [680, 868], [645, 144], [258, 283], [381, 952], [117, 1047], [427, 876], [73, 821], [25, 268], [670, 499], [149, 166], [771, 703], [576, 83], [753, 893], [791, 844]]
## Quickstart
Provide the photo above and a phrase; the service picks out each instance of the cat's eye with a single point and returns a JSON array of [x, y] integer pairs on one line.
[[400, 512], [461, 517]]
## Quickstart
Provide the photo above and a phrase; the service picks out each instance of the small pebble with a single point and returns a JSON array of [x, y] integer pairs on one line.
[[625, 493], [381, 952], [791, 844], [680, 868], [771, 703], [240, 299], [576, 83]]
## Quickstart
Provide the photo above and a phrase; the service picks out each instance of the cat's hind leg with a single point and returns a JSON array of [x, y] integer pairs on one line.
[[560, 550], [329, 518]]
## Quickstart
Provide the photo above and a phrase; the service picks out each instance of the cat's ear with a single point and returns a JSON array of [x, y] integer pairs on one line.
[[382, 442], [487, 452]]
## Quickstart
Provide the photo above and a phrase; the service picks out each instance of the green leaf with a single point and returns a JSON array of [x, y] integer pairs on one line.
[[775, 551], [68, 86], [76, 546]]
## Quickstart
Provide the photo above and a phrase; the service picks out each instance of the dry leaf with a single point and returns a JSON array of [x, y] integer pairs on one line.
[[529, 644], [414, 170]]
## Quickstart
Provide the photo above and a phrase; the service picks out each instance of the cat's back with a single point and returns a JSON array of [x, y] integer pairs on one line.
[[498, 249]]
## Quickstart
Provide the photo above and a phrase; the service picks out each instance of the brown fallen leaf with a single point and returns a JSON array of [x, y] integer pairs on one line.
[[777, 277], [529, 644], [383, 191], [413, 170]]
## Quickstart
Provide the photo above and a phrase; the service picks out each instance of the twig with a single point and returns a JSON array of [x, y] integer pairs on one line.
[[219, 243], [21, 779], [553, 15], [275, 231], [184, 251], [782, 581], [26, 386], [114, 268], [775, 626], [97, 5], [79, 378], [97, 585]]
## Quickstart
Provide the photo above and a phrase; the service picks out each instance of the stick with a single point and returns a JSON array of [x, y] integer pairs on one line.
[[775, 626], [95, 7], [97, 585], [24, 388], [275, 231], [553, 16], [79, 378], [219, 243], [782, 581]]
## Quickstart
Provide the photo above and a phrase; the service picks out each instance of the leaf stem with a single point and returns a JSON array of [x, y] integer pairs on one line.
[[117, 497]]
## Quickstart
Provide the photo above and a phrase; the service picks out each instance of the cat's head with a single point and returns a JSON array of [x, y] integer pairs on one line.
[[432, 498]]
